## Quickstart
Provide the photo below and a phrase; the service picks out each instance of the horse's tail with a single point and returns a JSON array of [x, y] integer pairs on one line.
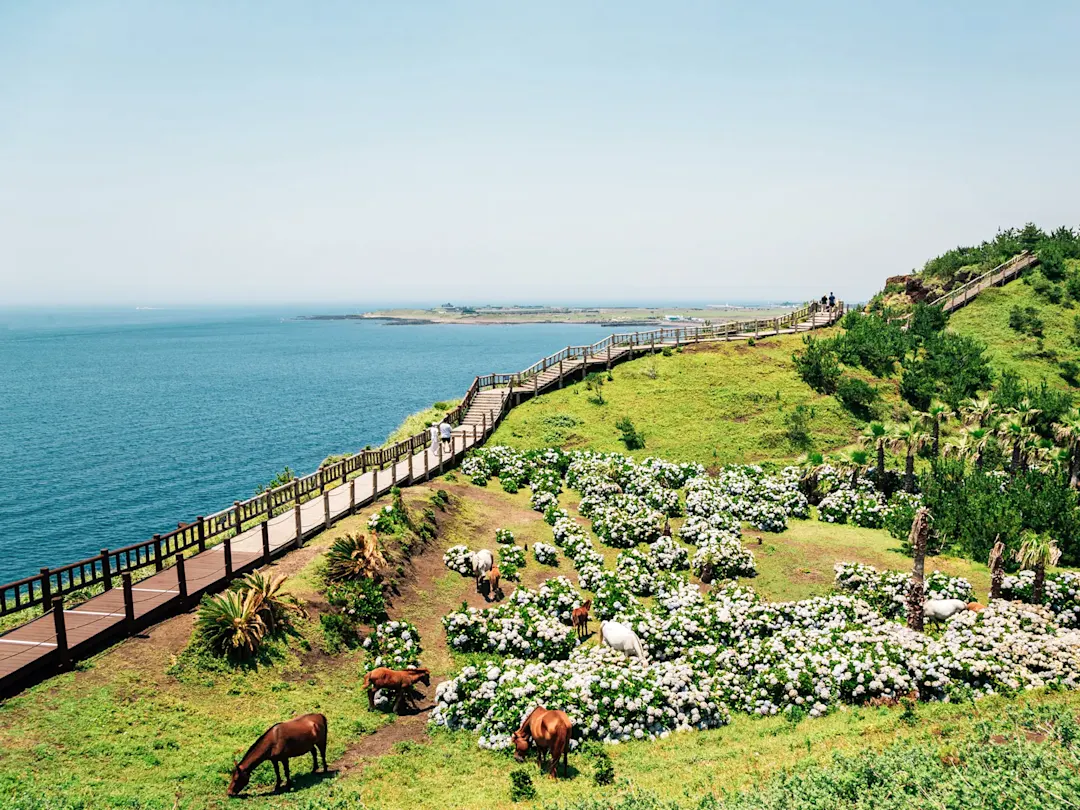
[[640, 651]]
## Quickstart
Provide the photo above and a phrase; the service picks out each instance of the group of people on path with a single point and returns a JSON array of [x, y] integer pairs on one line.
[[440, 435], [828, 300]]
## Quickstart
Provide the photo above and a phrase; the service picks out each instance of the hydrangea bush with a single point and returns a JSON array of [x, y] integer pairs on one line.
[[511, 561], [545, 554], [667, 555], [458, 558], [887, 590], [393, 644], [1061, 594]]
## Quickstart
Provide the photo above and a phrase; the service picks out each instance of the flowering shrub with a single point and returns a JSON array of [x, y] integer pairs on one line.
[[748, 493], [545, 554], [384, 521], [635, 570], [1062, 594], [900, 512], [504, 536], [722, 556], [623, 521], [667, 555], [866, 509], [542, 500], [511, 561], [697, 528], [887, 590], [393, 644], [459, 558], [613, 596], [606, 696]]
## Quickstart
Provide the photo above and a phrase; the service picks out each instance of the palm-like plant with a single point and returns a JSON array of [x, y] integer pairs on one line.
[[909, 439], [1036, 552], [355, 556], [971, 443], [1067, 432], [916, 597], [853, 463], [933, 418], [1014, 434], [271, 603], [875, 437], [979, 411], [229, 623]]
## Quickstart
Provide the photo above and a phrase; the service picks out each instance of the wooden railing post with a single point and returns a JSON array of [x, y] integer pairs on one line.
[[352, 497], [181, 580], [375, 482], [228, 558], [129, 603], [326, 509], [201, 532], [106, 570], [238, 518], [427, 463], [46, 588], [474, 433], [298, 524], [158, 564], [61, 630], [411, 454], [266, 541]]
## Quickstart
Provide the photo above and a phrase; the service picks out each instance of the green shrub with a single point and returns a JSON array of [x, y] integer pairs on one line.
[[666, 351], [856, 395], [630, 435], [360, 600], [797, 427], [1069, 370], [603, 768], [818, 365], [521, 786], [440, 500], [339, 632], [1026, 320]]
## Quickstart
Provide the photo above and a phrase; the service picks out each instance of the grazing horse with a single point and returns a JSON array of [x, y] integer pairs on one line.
[[579, 618], [482, 562], [400, 680], [493, 582], [620, 637], [939, 610], [976, 607], [279, 743], [549, 731]]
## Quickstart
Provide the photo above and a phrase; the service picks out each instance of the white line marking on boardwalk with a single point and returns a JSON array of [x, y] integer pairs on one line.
[[154, 590], [31, 643], [94, 612]]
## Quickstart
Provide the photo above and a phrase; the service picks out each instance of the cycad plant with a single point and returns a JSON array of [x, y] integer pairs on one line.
[[937, 414], [875, 437], [1067, 431], [354, 556], [272, 605], [908, 438], [1036, 552], [230, 624]]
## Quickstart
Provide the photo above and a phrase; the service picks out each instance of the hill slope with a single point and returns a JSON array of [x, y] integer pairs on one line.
[[712, 403]]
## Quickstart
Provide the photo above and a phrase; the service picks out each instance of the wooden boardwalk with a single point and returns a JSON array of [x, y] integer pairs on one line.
[[205, 555]]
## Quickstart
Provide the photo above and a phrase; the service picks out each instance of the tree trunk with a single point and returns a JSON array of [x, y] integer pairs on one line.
[[1014, 466], [909, 473], [920, 531], [881, 466], [1039, 586], [997, 569]]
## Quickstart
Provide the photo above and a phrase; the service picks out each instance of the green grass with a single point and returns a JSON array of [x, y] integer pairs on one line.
[[987, 318], [416, 422], [715, 403]]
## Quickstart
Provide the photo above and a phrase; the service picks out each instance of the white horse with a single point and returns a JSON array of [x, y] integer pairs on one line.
[[939, 610], [620, 637], [482, 562]]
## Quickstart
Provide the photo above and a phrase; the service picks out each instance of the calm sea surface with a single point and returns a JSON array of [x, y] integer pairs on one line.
[[116, 425]]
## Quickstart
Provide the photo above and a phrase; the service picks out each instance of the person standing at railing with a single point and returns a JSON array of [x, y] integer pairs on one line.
[[433, 438], [447, 434], [832, 302]]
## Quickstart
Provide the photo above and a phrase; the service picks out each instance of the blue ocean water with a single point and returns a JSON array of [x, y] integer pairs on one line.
[[116, 425]]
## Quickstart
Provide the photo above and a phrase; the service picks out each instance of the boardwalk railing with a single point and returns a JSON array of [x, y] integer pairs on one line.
[[206, 531], [1004, 272]]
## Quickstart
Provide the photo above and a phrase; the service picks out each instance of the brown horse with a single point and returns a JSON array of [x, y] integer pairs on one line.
[[493, 583], [579, 619], [549, 731], [400, 680], [279, 743]]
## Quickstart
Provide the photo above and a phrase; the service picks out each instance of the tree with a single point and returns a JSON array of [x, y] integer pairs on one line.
[[854, 463], [595, 383], [970, 444], [979, 411], [909, 438], [937, 414], [875, 437], [1067, 432], [1036, 552], [1016, 436], [997, 569], [920, 533]]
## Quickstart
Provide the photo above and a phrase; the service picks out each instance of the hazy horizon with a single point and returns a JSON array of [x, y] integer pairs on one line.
[[194, 154]]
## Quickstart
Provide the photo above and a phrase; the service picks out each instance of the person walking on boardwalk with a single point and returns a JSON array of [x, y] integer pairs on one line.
[[832, 300], [447, 435], [433, 438]]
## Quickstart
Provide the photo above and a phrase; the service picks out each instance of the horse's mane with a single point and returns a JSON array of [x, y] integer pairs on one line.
[[255, 744]]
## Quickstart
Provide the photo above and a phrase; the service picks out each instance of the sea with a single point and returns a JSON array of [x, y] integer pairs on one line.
[[115, 425]]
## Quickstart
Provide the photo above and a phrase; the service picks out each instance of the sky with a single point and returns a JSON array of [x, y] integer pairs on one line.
[[363, 153]]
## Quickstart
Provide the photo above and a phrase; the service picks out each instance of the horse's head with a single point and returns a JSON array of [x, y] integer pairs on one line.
[[424, 677], [239, 780], [521, 745]]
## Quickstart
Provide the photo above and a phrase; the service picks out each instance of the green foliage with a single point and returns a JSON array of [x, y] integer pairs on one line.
[[230, 625], [1026, 320], [361, 600], [956, 364], [797, 427], [927, 321], [872, 342], [354, 556], [440, 500], [629, 435], [521, 786], [1051, 404], [339, 632], [603, 768], [666, 351], [857, 396], [818, 365], [595, 382], [285, 476]]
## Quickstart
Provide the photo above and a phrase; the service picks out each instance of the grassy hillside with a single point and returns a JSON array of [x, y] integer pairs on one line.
[[1033, 357], [713, 403]]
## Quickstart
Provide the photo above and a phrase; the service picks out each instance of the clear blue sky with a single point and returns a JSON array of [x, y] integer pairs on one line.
[[162, 153]]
